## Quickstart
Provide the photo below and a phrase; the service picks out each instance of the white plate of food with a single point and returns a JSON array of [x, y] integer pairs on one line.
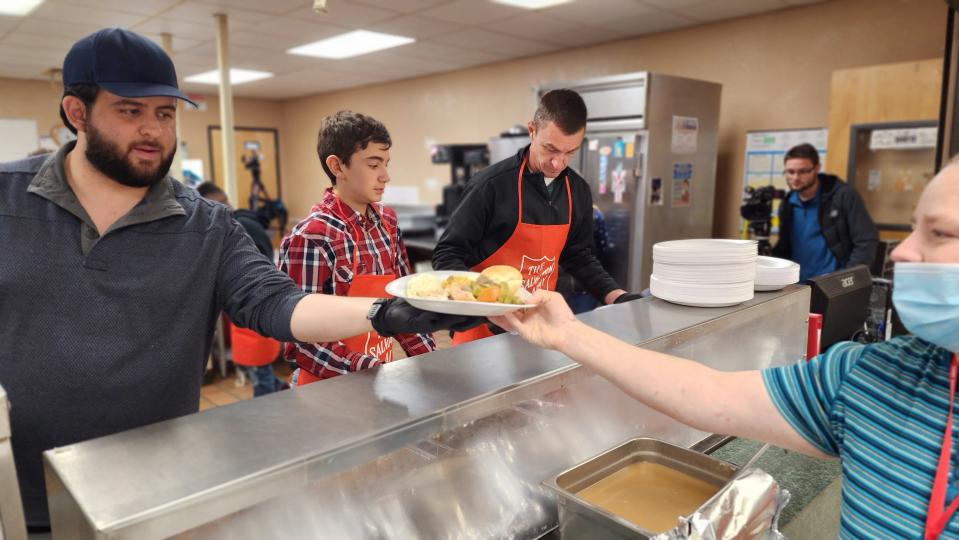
[[495, 291]]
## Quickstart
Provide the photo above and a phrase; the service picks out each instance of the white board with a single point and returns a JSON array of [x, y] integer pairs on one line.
[[18, 137]]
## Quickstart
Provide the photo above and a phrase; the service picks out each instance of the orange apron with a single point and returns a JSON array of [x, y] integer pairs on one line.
[[533, 249], [252, 349], [367, 286]]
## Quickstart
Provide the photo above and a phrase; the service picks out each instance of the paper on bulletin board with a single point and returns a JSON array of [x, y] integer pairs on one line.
[[685, 134], [682, 184], [875, 180], [619, 183]]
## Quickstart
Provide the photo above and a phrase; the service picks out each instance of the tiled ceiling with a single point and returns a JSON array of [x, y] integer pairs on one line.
[[450, 34]]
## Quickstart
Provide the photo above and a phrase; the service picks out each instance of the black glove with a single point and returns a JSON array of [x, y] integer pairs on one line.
[[627, 297], [396, 316], [495, 330]]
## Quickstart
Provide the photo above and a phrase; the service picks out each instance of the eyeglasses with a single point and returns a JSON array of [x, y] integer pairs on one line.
[[798, 172]]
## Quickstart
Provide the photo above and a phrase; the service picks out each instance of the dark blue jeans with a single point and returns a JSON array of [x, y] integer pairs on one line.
[[263, 379]]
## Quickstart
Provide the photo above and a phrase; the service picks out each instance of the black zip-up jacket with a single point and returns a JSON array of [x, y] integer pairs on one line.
[[486, 218], [845, 224]]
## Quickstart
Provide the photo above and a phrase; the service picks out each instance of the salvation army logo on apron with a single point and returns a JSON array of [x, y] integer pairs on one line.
[[537, 272], [379, 347]]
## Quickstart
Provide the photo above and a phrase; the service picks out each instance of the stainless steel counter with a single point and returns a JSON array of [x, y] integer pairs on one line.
[[401, 425]]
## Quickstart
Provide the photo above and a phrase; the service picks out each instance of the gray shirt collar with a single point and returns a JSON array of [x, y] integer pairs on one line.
[[51, 183]]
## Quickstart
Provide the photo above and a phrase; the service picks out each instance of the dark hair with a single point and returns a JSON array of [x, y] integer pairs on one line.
[[563, 107], [344, 133], [87, 93], [209, 188], [803, 151]]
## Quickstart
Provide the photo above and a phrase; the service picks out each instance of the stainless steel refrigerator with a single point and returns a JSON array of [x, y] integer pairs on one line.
[[650, 158]]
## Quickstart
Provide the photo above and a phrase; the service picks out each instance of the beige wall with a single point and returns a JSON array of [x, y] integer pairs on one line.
[[40, 101], [775, 70], [32, 100]]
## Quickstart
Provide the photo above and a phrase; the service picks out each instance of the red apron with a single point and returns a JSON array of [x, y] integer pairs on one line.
[[533, 249], [938, 514], [367, 286]]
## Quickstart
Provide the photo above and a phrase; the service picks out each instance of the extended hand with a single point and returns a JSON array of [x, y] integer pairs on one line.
[[398, 317], [548, 324]]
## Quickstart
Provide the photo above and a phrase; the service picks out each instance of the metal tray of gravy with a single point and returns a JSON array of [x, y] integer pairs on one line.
[[655, 463]]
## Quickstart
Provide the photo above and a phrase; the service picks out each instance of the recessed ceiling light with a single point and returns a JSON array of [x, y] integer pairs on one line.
[[18, 7], [350, 44], [532, 4], [237, 76]]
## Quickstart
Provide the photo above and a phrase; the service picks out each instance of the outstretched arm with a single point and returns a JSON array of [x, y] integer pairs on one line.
[[731, 403]]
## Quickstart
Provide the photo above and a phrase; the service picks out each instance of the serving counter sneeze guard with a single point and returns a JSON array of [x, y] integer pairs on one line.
[[453, 444]]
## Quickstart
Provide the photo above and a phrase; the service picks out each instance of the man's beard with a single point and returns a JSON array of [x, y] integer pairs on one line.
[[114, 163]]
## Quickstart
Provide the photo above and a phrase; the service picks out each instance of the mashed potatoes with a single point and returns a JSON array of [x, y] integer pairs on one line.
[[426, 286]]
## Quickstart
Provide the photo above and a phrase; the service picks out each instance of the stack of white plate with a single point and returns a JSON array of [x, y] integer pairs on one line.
[[704, 272], [773, 274]]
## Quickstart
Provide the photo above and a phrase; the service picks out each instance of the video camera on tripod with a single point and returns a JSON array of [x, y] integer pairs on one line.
[[757, 210]]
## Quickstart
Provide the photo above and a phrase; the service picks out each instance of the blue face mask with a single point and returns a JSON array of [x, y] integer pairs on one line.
[[926, 296]]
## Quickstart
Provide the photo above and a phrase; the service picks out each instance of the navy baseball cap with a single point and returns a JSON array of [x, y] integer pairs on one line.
[[124, 63]]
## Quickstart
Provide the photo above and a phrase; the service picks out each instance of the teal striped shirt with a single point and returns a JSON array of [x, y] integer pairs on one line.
[[881, 409]]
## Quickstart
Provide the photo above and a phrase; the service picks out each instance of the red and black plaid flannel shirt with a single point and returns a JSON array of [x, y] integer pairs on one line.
[[318, 255]]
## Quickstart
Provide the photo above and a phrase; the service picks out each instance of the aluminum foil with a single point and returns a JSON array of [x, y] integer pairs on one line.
[[747, 508]]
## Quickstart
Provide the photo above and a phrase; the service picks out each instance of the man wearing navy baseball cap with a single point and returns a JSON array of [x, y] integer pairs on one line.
[[114, 273]]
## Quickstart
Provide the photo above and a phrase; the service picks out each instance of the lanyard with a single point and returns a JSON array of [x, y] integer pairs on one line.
[[938, 514]]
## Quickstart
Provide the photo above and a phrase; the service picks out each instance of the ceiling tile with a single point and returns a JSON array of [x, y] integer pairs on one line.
[[472, 12], [342, 13], [197, 12], [138, 7], [404, 6], [416, 27], [48, 58], [598, 11], [590, 36], [536, 26], [72, 31], [184, 29], [24, 39], [72, 13], [307, 31], [22, 71], [673, 4], [180, 43], [729, 9], [274, 7], [649, 23], [482, 40], [450, 54], [265, 41], [9, 23]]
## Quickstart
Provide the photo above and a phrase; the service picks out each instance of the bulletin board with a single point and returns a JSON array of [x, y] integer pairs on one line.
[[763, 163]]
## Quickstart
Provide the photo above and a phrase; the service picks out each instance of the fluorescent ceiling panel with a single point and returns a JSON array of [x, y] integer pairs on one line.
[[532, 4], [18, 7], [351, 44], [237, 76]]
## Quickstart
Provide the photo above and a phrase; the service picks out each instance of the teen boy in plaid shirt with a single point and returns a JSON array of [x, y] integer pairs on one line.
[[349, 245]]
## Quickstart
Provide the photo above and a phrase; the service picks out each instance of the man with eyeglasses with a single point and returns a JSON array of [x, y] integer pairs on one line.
[[823, 223]]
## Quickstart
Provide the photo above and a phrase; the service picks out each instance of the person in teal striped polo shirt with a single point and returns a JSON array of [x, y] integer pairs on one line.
[[882, 408]]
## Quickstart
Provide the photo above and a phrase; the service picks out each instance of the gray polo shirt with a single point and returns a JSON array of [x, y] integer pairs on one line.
[[104, 333]]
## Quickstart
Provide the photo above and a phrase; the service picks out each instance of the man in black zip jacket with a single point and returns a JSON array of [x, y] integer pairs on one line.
[[556, 204], [823, 223]]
